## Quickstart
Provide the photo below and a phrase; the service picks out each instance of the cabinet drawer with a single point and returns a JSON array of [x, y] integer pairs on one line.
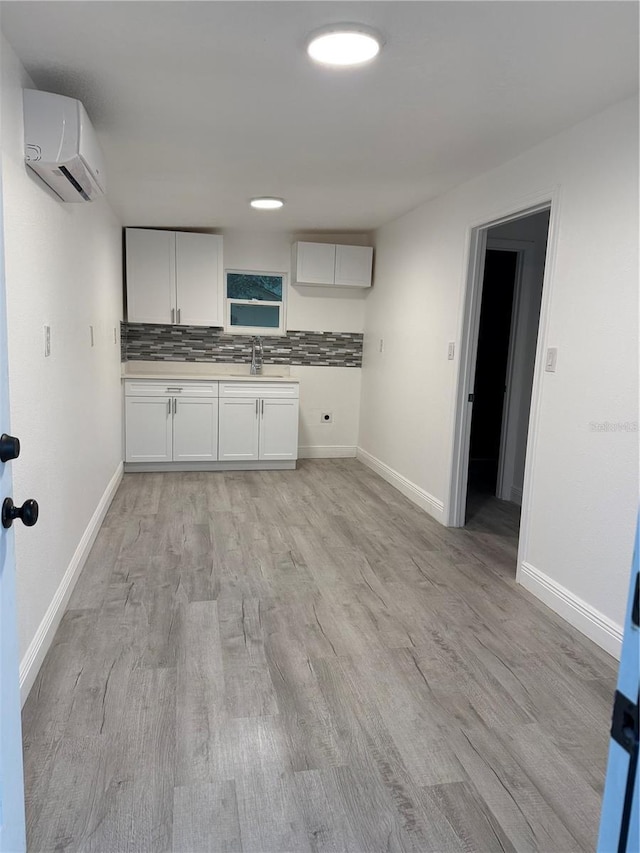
[[285, 390], [165, 388]]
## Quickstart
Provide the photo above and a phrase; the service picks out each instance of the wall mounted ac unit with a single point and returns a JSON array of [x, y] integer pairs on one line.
[[62, 147]]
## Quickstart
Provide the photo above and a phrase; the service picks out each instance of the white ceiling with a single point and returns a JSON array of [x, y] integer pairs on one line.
[[201, 105]]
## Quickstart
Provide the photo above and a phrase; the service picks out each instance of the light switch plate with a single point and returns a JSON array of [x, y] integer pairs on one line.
[[551, 360]]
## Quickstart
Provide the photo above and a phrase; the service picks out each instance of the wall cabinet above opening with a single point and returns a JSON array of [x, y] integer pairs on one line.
[[174, 277], [332, 264]]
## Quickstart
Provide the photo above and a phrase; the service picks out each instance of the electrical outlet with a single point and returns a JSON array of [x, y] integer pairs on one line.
[[551, 360], [47, 341], [115, 335], [326, 418], [381, 345], [451, 350]]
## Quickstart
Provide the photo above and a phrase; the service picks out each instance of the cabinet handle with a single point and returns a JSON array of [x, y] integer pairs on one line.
[[175, 405], [169, 406], [256, 407], [178, 320], [176, 388], [173, 315], [262, 407]]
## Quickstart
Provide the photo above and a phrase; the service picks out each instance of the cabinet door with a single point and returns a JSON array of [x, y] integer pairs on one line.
[[278, 429], [151, 275], [195, 429], [353, 266], [199, 279], [315, 263], [239, 423], [148, 429]]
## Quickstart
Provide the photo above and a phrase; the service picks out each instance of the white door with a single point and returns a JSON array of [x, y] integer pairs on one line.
[[353, 266], [199, 279], [151, 275], [316, 263], [12, 825], [239, 424], [278, 429], [195, 429], [148, 429]]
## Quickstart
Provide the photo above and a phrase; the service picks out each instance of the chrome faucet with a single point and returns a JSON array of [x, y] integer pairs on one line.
[[256, 356]]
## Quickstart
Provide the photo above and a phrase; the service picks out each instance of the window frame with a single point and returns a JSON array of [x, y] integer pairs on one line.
[[262, 331]]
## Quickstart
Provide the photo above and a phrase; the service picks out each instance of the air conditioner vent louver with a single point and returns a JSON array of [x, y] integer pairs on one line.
[[73, 182]]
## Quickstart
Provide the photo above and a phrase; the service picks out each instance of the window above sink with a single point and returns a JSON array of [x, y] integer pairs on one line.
[[255, 302]]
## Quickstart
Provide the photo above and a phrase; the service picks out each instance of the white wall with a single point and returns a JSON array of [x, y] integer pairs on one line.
[[63, 268], [316, 309], [533, 231], [584, 488]]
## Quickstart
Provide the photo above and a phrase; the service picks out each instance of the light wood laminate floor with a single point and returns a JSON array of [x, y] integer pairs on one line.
[[304, 661]]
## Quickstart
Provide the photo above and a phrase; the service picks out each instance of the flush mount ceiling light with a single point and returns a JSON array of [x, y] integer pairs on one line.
[[266, 203], [344, 45]]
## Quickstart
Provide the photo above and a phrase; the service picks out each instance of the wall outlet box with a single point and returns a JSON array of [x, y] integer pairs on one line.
[[326, 418]]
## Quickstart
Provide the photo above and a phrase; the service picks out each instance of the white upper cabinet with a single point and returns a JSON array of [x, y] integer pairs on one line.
[[151, 276], [315, 263], [199, 278], [331, 264], [174, 277], [353, 266]]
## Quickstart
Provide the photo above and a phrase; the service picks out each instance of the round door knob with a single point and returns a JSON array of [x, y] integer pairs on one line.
[[9, 447], [27, 513]]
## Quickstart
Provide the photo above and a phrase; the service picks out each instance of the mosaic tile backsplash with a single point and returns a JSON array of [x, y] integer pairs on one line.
[[150, 342]]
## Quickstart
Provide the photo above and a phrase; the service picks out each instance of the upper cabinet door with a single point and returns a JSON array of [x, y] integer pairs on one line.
[[353, 266], [151, 276], [315, 263], [199, 279]]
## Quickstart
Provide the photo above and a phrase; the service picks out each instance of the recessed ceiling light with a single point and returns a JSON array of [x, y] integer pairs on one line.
[[266, 203], [343, 45]]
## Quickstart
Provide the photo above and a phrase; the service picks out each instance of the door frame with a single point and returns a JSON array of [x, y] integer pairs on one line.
[[468, 336]]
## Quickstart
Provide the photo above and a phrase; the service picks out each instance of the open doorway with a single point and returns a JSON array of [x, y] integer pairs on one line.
[[503, 323]]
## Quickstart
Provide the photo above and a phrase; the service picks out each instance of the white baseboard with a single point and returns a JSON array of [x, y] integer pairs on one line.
[[410, 490], [39, 646], [516, 495], [584, 617], [328, 451]]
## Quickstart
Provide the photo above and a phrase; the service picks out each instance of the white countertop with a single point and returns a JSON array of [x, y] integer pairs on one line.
[[207, 371]]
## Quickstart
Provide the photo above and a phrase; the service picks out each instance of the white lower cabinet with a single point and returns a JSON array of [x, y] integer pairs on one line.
[[171, 423], [184, 423], [239, 429], [278, 429], [149, 433], [258, 428], [195, 429]]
